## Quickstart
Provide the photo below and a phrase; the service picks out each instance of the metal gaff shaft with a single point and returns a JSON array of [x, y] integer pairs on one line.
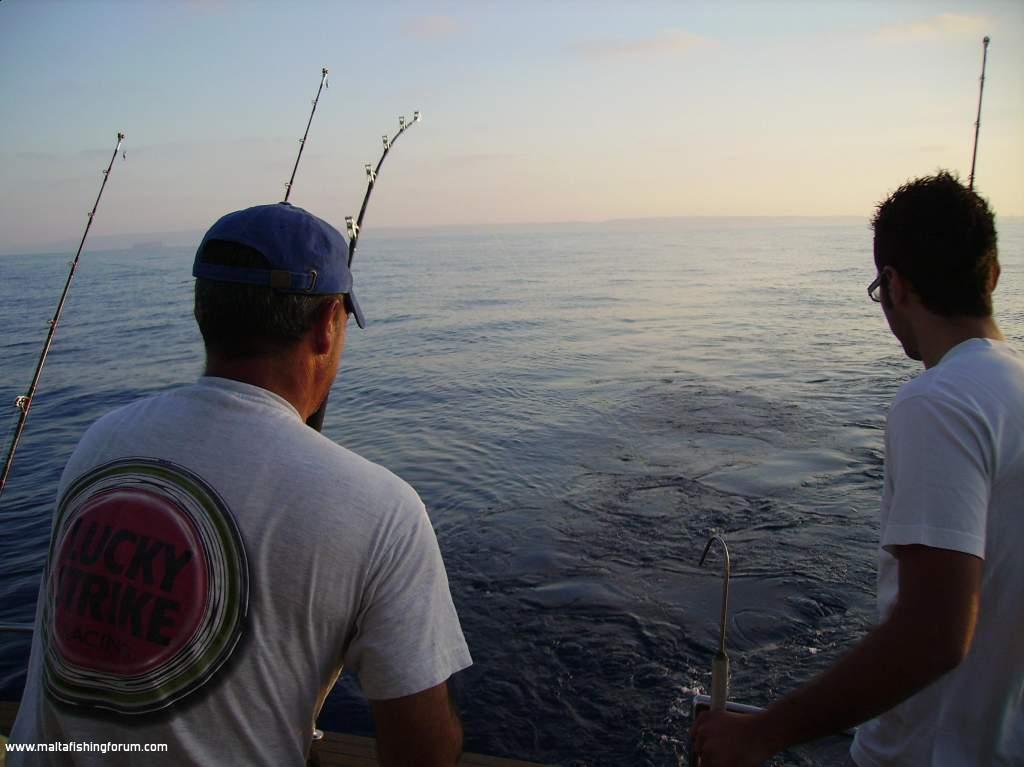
[[302, 141], [977, 122], [24, 402], [720, 665]]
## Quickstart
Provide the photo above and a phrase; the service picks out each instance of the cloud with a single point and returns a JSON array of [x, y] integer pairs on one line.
[[432, 27], [475, 160], [34, 156], [205, 6], [945, 26], [671, 41]]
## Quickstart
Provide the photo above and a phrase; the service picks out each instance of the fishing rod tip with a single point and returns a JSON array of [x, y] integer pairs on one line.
[[986, 40]]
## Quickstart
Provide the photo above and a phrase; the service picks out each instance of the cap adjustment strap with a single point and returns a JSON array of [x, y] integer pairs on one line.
[[279, 279]]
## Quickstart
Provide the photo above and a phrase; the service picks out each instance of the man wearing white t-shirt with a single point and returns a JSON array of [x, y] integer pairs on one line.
[[215, 562], [940, 680]]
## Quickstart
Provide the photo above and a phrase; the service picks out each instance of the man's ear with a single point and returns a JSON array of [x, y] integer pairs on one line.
[[898, 288], [327, 324], [993, 277]]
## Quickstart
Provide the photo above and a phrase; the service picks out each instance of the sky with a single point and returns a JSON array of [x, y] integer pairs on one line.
[[532, 111]]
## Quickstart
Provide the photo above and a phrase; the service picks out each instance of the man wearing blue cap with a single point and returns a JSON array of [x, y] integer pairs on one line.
[[215, 563]]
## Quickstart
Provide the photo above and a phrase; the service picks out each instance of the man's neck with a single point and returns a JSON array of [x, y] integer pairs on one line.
[[285, 377], [942, 334]]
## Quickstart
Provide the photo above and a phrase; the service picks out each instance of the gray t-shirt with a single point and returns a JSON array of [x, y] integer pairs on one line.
[[214, 565]]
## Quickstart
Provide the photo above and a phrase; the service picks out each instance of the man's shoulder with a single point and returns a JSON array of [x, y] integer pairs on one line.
[[343, 491], [172, 397], [339, 461], [117, 420], [976, 374], [318, 470], [975, 397]]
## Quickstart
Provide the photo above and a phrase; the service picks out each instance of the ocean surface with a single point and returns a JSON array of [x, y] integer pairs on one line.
[[580, 407]]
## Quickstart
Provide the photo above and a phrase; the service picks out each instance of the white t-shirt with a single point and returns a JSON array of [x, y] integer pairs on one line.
[[954, 479], [214, 564]]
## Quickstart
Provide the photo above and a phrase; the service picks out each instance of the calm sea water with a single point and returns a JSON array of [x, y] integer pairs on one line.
[[580, 406]]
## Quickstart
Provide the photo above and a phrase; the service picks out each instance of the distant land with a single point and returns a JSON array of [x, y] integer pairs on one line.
[[107, 242]]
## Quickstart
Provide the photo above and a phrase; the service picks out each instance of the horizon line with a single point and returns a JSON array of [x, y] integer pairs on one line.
[[115, 242]]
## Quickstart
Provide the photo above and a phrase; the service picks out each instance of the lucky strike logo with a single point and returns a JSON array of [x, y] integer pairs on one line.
[[147, 587], [131, 583]]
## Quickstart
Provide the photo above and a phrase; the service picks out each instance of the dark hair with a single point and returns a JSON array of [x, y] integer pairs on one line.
[[941, 237], [239, 320]]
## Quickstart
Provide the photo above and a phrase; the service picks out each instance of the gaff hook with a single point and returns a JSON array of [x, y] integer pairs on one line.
[[720, 665]]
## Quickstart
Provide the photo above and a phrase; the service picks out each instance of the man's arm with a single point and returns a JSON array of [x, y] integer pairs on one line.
[[927, 634], [419, 730]]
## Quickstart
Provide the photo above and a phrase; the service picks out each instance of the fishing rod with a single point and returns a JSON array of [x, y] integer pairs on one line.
[[24, 402], [302, 141], [977, 122], [354, 226]]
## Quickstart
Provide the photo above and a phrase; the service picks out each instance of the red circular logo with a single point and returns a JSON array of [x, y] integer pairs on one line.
[[147, 587], [131, 583]]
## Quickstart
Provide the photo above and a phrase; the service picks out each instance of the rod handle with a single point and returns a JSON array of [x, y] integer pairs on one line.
[[719, 682]]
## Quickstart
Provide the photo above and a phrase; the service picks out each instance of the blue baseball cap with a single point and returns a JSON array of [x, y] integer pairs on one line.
[[306, 254]]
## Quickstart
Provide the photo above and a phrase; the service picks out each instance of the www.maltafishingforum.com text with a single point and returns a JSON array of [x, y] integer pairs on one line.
[[81, 747]]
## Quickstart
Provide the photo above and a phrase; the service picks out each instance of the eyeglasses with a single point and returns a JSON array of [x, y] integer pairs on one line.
[[875, 288]]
